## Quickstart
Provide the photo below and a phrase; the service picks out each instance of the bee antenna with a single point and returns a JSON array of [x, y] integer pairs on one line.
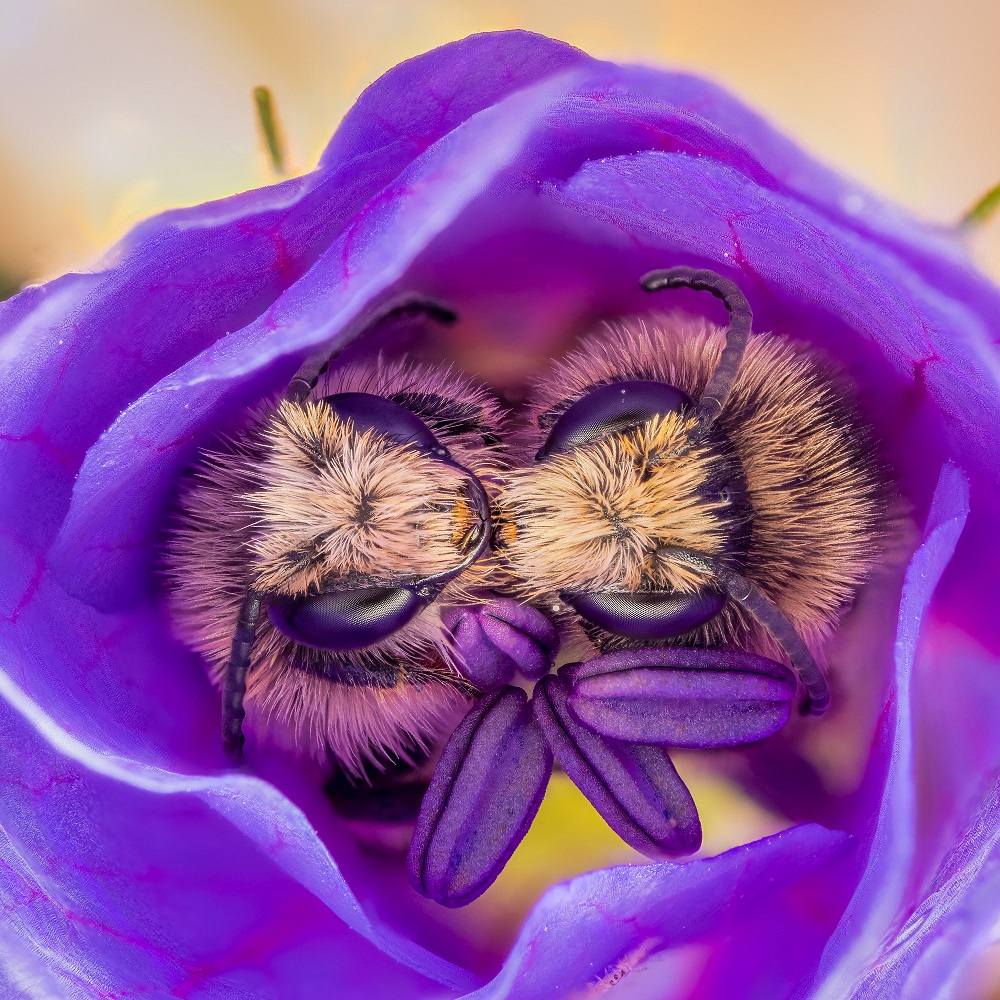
[[305, 379], [720, 385], [481, 506], [750, 597], [235, 684]]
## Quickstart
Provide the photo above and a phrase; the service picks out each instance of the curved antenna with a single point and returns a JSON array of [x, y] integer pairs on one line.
[[481, 504], [720, 385], [749, 596], [304, 381], [235, 684]]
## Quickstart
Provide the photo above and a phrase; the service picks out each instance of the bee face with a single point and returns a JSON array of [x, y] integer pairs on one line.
[[336, 504], [594, 517], [328, 518], [783, 488]]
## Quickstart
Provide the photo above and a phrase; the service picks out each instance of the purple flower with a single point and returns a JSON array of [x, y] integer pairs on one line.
[[528, 186]]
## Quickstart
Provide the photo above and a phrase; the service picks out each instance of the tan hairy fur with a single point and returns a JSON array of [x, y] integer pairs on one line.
[[592, 519], [300, 499], [816, 494], [368, 507]]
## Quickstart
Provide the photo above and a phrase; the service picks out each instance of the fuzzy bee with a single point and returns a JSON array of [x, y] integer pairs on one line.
[[694, 508], [313, 553], [674, 482]]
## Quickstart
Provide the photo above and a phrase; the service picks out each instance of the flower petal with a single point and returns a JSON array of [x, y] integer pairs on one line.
[[119, 878], [369, 209], [485, 792], [879, 902], [674, 696], [635, 788], [807, 269], [611, 920], [956, 917]]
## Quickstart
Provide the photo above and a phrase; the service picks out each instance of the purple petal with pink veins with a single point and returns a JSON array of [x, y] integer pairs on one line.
[[644, 919]]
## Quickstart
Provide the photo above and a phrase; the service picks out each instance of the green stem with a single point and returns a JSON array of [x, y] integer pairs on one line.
[[983, 210], [268, 120], [9, 285]]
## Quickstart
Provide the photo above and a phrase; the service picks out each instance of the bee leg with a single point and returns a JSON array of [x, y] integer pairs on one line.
[[305, 379], [236, 676]]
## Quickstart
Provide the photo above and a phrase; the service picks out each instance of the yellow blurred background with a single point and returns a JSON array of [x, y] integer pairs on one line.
[[113, 110]]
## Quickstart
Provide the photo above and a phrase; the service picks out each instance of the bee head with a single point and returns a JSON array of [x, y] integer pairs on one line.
[[624, 474], [313, 555], [363, 520]]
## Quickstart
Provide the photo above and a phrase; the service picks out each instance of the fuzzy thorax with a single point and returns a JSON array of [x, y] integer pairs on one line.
[[595, 518]]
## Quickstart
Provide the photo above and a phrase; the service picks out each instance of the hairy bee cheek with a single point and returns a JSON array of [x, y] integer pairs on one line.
[[648, 616], [344, 620]]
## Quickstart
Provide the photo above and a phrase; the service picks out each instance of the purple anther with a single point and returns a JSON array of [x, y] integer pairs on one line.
[[494, 641], [635, 788], [681, 697], [611, 409], [483, 795]]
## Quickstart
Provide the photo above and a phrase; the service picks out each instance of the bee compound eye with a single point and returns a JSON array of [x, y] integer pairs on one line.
[[347, 619], [370, 412], [611, 409], [649, 615]]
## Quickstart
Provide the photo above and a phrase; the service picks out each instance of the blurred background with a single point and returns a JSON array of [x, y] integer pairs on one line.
[[113, 110]]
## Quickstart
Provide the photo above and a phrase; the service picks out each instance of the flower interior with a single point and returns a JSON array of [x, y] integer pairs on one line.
[[685, 511]]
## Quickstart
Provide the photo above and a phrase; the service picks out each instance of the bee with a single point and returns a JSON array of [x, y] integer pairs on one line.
[[683, 501], [667, 483], [313, 552], [677, 483]]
